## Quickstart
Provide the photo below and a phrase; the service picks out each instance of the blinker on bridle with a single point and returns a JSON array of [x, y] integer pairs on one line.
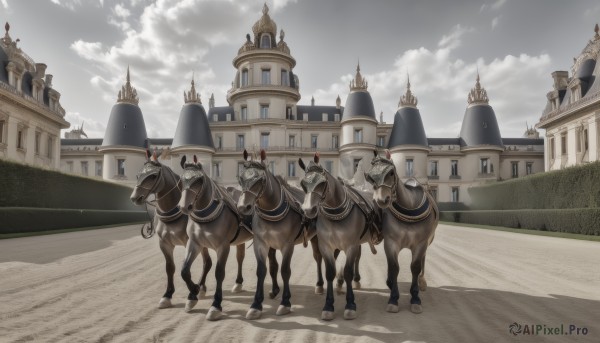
[[256, 176], [318, 176], [381, 173]]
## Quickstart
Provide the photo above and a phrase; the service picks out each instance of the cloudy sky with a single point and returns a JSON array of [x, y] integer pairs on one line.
[[88, 44]]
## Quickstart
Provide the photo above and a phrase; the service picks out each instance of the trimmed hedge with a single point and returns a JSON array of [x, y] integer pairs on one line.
[[25, 186], [575, 187], [584, 221], [30, 219]]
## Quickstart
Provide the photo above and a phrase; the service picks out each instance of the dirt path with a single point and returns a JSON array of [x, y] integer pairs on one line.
[[104, 285]]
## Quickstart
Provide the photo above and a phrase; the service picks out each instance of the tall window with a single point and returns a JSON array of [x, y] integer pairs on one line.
[[454, 168], [335, 141], [244, 77], [409, 167], [313, 141], [292, 141], [291, 169], [358, 136], [38, 139], [84, 168], [216, 169], [240, 144], [454, 194], [329, 166], [563, 144], [578, 139], [244, 114], [70, 166], [121, 167], [434, 193], [98, 168], [50, 145], [20, 139], [264, 111], [219, 142], [433, 168], [2, 125], [552, 148], [529, 168], [285, 80], [484, 164], [514, 166], [585, 140], [380, 141], [265, 41], [266, 76], [215, 117], [288, 113], [264, 140]]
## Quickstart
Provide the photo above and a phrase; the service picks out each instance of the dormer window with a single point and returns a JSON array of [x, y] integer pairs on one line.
[[265, 41]]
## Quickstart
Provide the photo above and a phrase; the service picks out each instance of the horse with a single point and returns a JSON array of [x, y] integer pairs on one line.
[[278, 223], [169, 221], [343, 218], [215, 224], [410, 217]]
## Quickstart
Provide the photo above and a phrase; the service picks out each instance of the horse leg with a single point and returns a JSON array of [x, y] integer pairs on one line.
[[314, 243], [422, 281], [356, 281], [273, 269], [351, 256], [327, 313], [239, 255], [340, 274], [260, 251], [286, 272], [415, 268], [391, 253], [191, 252], [167, 250], [205, 269], [215, 311]]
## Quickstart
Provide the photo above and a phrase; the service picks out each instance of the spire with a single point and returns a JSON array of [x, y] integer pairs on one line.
[[408, 99], [338, 102], [211, 101], [596, 29], [192, 95], [7, 40], [478, 95], [281, 35], [265, 9], [312, 101], [128, 94], [358, 83]]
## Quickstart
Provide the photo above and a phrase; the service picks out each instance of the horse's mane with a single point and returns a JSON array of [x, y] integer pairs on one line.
[[297, 193]]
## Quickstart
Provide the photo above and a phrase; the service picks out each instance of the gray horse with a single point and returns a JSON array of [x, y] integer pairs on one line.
[[278, 224], [410, 218], [215, 224], [344, 221], [169, 222]]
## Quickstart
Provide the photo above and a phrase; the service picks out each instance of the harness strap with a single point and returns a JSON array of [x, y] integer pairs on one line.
[[413, 215]]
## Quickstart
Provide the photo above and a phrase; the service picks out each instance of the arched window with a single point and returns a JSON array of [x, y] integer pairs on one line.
[[265, 41]]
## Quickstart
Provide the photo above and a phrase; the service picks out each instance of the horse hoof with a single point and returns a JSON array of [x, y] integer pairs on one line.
[[164, 303], [189, 305], [422, 284], [392, 308], [202, 291], [237, 288], [327, 315], [349, 314], [214, 314], [283, 310], [416, 308], [319, 290], [356, 285], [253, 314]]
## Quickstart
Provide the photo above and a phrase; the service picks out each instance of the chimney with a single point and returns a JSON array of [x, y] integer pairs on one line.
[[49, 80], [561, 79], [40, 70]]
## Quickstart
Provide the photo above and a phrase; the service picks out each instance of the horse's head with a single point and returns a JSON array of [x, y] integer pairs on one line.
[[149, 179], [314, 184], [382, 176], [253, 180], [193, 182]]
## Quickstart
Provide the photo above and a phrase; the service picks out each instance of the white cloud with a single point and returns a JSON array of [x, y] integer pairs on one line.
[[495, 22], [441, 82], [121, 11], [453, 39], [4, 3], [493, 7], [92, 128]]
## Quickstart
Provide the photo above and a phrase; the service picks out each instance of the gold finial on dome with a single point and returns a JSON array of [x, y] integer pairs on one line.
[[192, 95], [265, 9], [128, 94], [359, 83], [265, 24], [477, 95], [408, 99]]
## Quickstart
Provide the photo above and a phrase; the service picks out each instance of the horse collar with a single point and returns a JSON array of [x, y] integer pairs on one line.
[[340, 212], [413, 215], [211, 211], [278, 213]]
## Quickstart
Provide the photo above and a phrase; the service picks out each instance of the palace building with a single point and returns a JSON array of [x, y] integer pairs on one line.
[[263, 112], [572, 116], [31, 116]]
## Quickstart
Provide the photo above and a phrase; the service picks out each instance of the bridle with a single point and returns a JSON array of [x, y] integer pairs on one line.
[[262, 178], [379, 181]]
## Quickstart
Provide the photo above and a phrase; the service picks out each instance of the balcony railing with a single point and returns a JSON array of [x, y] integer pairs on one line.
[[276, 149]]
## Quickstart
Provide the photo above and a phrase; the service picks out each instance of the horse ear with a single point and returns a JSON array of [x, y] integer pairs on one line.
[[245, 155], [316, 158], [182, 163], [195, 159], [263, 155], [301, 163], [375, 152], [387, 154]]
